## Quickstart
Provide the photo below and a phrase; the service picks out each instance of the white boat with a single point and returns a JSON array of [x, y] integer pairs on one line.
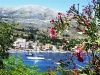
[[35, 57]]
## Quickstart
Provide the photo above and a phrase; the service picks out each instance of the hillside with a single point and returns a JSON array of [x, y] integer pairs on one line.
[[32, 16], [28, 15]]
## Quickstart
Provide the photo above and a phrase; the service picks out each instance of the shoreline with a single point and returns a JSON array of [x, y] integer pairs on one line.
[[38, 51]]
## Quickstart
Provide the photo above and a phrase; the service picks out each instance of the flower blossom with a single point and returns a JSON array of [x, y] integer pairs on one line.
[[80, 58], [52, 33], [78, 53]]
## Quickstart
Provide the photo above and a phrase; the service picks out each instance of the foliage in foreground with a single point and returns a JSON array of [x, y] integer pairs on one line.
[[88, 23], [14, 66], [6, 38]]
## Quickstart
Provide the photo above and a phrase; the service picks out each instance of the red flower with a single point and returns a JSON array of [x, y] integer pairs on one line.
[[78, 54], [80, 58], [52, 35], [52, 30]]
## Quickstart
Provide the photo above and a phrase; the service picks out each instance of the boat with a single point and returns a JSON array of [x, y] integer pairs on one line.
[[35, 57]]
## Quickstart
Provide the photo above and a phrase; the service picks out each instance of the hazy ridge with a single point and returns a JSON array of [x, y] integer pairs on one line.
[[28, 15]]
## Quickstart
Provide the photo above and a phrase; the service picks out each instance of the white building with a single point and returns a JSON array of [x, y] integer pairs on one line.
[[20, 43]]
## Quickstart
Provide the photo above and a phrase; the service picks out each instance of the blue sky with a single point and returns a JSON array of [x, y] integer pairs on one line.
[[61, 5]]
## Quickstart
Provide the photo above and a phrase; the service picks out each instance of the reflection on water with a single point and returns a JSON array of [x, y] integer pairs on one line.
[[36, 61]]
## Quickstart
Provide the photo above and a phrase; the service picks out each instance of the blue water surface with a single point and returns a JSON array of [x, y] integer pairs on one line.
[[50, 58]]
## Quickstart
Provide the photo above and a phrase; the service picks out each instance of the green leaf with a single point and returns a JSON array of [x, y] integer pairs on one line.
[[98, 40]]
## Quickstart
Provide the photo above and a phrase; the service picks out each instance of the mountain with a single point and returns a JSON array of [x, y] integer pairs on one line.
[[31, 16], [28, 15]]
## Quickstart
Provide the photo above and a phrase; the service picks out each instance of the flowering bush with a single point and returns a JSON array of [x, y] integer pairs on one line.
[[88, 23], [61, 23]]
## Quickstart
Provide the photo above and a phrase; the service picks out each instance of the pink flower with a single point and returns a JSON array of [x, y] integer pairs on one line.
[[52, 35], [52, 31], [78, 54], [77, 50]]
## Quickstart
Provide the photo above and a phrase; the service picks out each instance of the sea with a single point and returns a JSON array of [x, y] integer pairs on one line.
[[51, 60]]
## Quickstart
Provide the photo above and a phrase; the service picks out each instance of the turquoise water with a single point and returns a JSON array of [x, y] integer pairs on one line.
[[50, 59]]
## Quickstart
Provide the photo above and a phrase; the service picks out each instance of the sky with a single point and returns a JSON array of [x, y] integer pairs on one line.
[[61, 5]]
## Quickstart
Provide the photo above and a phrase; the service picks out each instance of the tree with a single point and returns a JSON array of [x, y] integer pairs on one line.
[[6, 38]]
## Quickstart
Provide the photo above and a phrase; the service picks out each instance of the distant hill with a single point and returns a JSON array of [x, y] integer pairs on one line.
[[28, 15], [32, 16]]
